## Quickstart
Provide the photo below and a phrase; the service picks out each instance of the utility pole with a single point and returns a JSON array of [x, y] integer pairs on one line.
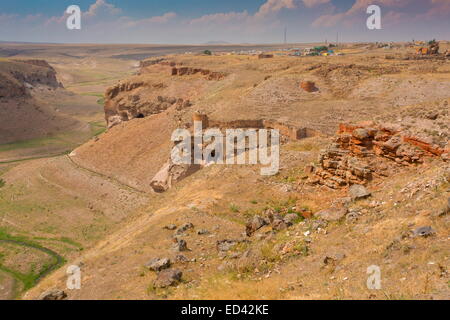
[[337, 39], [285, 35]]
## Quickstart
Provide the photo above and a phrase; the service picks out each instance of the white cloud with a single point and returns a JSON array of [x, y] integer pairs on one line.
[[165, 18], [267, 9], [273, 6], [221, 17], [394, 12], [313, 3], [101, 7]]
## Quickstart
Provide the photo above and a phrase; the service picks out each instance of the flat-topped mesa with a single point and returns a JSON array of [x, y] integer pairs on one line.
[[357, 154]]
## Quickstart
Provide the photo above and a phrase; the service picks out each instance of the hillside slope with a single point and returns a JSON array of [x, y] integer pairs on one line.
[[237, 235]]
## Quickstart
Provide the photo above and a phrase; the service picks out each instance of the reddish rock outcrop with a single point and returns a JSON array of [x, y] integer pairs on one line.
[[356, 155], [308, 86]]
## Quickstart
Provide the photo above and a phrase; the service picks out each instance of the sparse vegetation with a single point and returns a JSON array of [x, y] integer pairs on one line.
[[30, 279], [234, 208]]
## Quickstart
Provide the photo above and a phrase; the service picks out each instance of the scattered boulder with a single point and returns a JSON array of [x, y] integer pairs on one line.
[[318, 224], [53, 294], [185, 227], [170, 227], [170, 174], [432, 115], [226, 245], [358, 192], [333, 259], [332, 214], [279, 224], [254, 225], [361, 134], [308, 86], [158, 264], [352, 216], [168, 278], [202, 232], [424, 232], [290, 219], [309, 169], [180, 245], [181, 258]]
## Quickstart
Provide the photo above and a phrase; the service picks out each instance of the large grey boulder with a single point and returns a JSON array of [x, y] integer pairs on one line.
[[358, 192], [332, 214], [254, 225], [53, 294], [158, 264], [168, 278]]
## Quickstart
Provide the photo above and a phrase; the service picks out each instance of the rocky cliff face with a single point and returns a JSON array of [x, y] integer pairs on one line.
[[25, 112], [10, 87], [17, 77], [125, 102], [159, 85]]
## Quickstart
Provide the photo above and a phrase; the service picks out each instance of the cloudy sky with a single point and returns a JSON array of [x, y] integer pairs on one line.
[[233, 21]]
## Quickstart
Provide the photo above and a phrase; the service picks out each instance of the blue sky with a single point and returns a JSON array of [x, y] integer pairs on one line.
[[233, 21], [136, 8]]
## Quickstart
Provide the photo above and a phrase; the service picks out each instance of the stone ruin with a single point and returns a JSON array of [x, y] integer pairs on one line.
[[363, 151], [172, 173], [208, 74]]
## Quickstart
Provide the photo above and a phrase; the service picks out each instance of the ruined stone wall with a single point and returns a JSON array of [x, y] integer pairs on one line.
[[287, 130], [208, 74]]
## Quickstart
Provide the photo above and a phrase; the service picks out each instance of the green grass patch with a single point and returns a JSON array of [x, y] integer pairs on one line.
[[97, 128], [234, 208], [30, 279], [92, 94], [59, 144]]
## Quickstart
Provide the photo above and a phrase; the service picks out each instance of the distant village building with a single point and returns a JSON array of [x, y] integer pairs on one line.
[[265, 56]]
